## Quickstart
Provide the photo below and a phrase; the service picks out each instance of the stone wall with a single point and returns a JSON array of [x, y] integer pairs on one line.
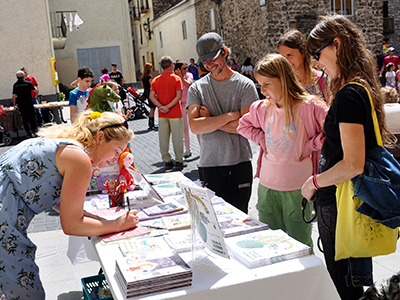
[[393, 39], [251, 30]]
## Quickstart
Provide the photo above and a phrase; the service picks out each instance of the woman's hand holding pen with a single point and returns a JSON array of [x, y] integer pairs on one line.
[[128, 220]]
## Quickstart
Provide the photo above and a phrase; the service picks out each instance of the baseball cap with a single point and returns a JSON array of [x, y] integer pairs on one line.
[[209, 46], [20, 74], [113, 65], [391, 49]]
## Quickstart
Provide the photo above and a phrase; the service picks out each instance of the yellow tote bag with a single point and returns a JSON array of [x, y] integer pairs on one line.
[[357, 235]]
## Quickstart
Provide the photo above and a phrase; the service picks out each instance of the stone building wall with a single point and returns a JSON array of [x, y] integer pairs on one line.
[[251, 30], [393, 39]]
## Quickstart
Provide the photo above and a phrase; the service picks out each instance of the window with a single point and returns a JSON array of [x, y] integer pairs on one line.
[[184, 30], [161, 42], [141, 34], [342, 7], [212, 19]]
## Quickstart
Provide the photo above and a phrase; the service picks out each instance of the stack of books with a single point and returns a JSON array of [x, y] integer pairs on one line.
[[234, 226], [140, 275], [265, 247]]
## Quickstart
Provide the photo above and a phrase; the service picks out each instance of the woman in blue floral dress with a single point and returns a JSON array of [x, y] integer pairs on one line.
[[54, 171]]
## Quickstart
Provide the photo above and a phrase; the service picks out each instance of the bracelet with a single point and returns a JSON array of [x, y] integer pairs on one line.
[[315, 182]]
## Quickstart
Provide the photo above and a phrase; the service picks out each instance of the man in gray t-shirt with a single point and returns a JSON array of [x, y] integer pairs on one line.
[[215, 104]]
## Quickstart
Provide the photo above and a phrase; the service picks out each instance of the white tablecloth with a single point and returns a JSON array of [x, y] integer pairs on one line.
[[217, 278]]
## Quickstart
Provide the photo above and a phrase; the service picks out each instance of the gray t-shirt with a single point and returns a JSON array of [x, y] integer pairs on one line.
[[220, 148]]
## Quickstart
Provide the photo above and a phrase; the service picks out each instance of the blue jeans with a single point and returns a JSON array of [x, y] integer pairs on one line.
[[38, 112]]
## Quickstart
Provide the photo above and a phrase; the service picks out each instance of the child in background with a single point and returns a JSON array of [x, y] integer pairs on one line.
[[287, 126], [390, 76], [105, 77], [78, 96]]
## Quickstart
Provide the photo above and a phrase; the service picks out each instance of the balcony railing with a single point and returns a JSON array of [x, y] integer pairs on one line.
[[145, 7]]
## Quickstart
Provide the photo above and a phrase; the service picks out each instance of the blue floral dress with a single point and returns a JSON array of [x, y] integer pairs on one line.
[[29, 184]]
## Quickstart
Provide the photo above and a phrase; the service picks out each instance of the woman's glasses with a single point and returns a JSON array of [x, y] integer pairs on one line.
[[317, 53]]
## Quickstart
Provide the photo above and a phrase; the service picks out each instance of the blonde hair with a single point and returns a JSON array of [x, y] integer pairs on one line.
[[84, 129], [389, 95], [277, 66], [354, 61]]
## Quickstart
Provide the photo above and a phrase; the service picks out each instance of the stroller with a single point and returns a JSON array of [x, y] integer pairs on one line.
[[5, 137], [137, 103]]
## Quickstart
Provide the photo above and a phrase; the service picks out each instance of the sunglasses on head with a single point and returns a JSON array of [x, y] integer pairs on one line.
[[317, 53], [125, 124]]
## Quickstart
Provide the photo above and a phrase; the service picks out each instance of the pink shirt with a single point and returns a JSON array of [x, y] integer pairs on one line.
[[313, 113], [189, 77], [283, 167]]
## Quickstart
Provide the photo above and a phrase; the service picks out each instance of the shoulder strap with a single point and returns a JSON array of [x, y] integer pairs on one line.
[[374, 116]]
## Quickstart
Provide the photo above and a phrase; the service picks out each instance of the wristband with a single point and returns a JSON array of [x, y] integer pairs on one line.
[[315, 182]]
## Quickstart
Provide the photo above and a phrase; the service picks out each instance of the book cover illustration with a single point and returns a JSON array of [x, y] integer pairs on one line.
[[164, 208], [166, 177], [207, 226], [240, 225], [134, 270], [227, 209], [266, 247], [168, 189], [144, 246], [176, 222], [181, 241], [136, 231]]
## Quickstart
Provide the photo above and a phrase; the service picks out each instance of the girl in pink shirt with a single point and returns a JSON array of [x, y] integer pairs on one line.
[[287, 126]]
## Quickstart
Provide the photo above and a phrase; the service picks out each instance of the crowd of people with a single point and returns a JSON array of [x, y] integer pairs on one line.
[[313, 129]]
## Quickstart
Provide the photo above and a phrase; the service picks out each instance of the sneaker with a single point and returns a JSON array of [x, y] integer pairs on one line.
[[169, 165], [187, 154], [178, 166]]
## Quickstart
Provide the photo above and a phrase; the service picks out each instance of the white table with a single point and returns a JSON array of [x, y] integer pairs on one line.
[[218, 278]]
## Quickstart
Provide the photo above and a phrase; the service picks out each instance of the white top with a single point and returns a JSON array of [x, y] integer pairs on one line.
[[392, 111]]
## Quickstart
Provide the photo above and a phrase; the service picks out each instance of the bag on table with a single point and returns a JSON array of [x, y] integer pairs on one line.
[[357, 234]]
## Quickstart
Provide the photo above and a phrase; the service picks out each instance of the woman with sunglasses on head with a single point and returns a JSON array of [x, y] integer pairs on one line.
[[54, 171], [337, 45], [293, 46]]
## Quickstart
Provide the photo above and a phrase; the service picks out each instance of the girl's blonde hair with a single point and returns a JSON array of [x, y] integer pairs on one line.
[[85, 129], [277, 66], [354, 60]]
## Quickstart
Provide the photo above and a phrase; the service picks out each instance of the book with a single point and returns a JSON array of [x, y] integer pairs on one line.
[[265, 247], [143, 275], [240, 225], [176, 222], [111, 213], [181, 240], [136, 231], [144, 246], [227, 209], [168, 189], [164, 208], [206, 222], [166, 177]]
